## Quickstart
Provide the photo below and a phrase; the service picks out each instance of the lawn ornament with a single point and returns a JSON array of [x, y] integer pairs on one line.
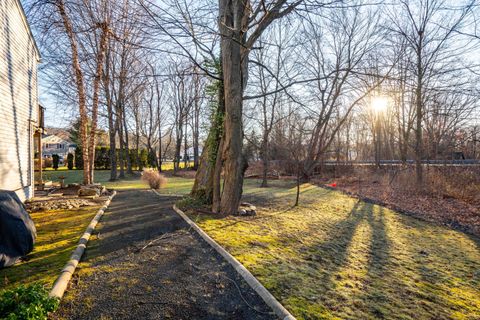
[[17, 230]]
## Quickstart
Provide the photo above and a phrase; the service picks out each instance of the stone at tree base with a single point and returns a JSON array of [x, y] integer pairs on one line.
[[246, 209]]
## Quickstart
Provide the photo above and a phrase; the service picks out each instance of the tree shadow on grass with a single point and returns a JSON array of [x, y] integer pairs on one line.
[[375, 294], [325, 258]]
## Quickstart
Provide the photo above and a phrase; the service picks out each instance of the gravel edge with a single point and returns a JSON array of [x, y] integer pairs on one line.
[[253, 282], [60, 285]]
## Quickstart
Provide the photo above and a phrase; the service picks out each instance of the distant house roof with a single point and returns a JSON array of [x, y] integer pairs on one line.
[[27, 26], [59, 132], [52, 138]]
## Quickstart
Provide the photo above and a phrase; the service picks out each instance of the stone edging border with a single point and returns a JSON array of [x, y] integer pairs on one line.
[[63, 279], [253, 282]]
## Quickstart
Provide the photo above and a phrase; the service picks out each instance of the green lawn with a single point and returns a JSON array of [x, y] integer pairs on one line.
[[175, 185], [58, 232], [336, 258]]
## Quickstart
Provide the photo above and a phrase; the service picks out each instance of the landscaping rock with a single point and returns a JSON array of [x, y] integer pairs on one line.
[[88, 192], [246, 209], [56, 204]]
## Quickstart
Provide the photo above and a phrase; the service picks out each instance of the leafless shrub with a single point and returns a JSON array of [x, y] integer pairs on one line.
[[154, 179]]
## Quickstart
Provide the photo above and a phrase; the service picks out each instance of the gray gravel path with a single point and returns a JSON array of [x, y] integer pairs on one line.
[[177, 276]]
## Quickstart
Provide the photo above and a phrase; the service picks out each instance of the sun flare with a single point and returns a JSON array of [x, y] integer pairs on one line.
[[379, 103]]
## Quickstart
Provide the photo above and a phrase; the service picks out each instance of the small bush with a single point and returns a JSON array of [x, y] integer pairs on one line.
[[27, 302], [70, 161], [154, 179], [46, 162], [56, 160]]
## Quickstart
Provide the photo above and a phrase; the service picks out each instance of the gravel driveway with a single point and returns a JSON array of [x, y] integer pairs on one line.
[[148, 264]]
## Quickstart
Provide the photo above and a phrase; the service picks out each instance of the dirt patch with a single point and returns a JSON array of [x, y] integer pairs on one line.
[[148, 264]]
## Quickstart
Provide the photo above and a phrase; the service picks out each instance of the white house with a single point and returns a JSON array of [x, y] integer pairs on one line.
[[20, 113], [54, 144]]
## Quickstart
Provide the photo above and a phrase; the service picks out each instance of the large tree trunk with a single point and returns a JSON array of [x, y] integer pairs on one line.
[[232, 19]]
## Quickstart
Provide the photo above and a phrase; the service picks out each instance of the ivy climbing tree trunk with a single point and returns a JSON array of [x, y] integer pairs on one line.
[[204, 184]]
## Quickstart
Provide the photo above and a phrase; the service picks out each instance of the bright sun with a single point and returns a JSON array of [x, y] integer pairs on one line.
[[379, 103]]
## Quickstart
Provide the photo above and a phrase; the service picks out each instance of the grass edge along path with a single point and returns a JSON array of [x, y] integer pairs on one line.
[[58, 232], [335, 257], [63, 279]]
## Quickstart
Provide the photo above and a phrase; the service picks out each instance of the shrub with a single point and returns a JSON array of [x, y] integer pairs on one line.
[[27, 302], [55, 160], [154, 179], [143, 159], [78, 158], [46, 162], [70, 161], [102, 158]]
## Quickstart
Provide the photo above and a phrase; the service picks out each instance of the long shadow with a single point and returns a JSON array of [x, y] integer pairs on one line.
[[380, 246], [334, 252]]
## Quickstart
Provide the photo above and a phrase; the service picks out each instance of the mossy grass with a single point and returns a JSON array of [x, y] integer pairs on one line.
[[334, 257], [58, 232]]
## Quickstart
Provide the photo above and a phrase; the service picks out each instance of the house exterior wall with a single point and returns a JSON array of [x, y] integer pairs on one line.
[[18, 100], [50, 146]]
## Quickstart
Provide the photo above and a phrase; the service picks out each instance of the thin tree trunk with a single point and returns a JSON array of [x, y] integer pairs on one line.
[[96, 88], [264, 155], [127, 145], [185, 147], [111, 123], [122, 147], [419, 111], [80, 84], [297, 197]]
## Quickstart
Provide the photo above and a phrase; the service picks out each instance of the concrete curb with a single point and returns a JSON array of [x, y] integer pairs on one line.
[[269, 299], [63, 279]]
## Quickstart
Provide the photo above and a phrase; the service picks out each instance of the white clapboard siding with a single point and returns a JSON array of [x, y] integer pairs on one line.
[[18, 100]]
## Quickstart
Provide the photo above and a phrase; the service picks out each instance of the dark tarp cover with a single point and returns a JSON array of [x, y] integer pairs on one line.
[[17, 231]]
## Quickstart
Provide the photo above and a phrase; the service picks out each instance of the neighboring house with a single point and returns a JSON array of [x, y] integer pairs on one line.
[[20, 113], [53, 144]]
